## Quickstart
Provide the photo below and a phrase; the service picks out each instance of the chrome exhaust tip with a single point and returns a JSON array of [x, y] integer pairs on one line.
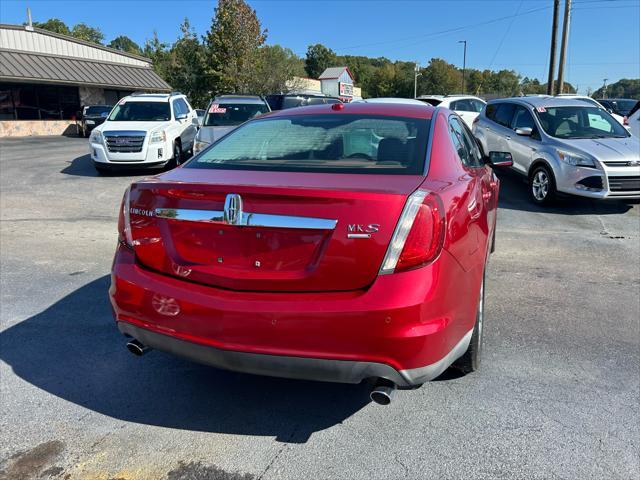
[[137, 348], [382, 394]]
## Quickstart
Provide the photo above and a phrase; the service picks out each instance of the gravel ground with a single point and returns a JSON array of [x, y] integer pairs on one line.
[[557, 396]]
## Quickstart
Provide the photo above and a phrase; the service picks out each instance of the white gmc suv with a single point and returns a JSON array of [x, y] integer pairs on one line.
[[145, 130]]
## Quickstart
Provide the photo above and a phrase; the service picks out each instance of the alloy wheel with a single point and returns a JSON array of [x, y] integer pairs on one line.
[[540, 185]]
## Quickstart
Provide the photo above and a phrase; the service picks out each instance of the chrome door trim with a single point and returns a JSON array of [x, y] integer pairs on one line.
[[432, 127], [247, 219]]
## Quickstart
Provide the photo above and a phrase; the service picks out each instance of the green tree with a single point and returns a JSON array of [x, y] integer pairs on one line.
[[158, 52], [232, 45], [318, 59], [84, 32], [276, 70], [440, 78], [186, 67], [54, 25], [625, 88], [125, 44]]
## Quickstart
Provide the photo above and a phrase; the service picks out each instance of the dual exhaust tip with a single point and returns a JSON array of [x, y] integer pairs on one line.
[[382, 393]]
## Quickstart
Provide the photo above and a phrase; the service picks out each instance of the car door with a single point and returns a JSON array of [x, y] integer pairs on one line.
[[491, 131], [522, 147], [191, 129], [476, 218]]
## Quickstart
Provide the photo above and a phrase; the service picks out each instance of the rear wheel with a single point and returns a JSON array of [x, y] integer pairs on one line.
[[470, 361], [542, 185]]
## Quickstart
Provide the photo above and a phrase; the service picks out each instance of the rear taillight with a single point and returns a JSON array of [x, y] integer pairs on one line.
[[419, 235], [124, 222]]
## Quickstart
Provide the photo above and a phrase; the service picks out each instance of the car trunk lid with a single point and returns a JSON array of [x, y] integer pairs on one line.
[[279, 231]]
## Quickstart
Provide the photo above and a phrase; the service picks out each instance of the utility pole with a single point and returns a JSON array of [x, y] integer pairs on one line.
[[563, 46], [464, 62], [416, 74], [554, 47], [604, 88]]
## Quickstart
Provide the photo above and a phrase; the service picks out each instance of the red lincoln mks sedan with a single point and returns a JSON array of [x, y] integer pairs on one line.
[[335, 242]]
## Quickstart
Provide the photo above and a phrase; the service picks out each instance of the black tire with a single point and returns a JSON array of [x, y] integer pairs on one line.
[[542, 185], [470, 361], [177, 155]]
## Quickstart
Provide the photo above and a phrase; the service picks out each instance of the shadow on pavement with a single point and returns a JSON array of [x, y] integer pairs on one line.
[[514, 195], [83, 166], [73, 350]]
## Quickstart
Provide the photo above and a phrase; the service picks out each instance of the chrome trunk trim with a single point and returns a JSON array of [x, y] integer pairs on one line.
[[246, 219]]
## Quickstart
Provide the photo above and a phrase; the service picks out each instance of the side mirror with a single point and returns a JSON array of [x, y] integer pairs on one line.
[[181, 116], [525, 131], [500, 159]]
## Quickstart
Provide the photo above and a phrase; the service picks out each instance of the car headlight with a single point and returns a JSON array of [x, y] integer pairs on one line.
[[96, 136], [575, 159], [157, 137]]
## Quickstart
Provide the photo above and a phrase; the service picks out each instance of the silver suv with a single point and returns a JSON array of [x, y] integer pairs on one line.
[[225, 113], [562, 145]]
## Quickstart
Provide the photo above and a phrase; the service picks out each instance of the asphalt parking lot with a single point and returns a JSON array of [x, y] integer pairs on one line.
[[558, 395]]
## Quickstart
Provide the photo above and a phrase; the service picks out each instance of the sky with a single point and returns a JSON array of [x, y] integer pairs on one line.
[[604, 40]]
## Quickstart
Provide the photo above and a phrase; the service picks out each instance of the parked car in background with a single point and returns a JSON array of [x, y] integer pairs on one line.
[[563, 145], [317, 243], [90, 117], [282, 101], [619, 106], [226, 112], [145, 130], [467, 106], [633, 120], [594, 102], [200, 113]]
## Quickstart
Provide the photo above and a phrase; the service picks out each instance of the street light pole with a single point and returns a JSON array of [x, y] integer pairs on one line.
[[416, 74], [604, 88], [464, 62]]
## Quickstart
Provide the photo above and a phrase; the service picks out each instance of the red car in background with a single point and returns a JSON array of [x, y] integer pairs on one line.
[[336, 242]]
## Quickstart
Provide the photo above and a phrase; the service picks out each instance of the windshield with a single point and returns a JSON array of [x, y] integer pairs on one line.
[[231, 114], [141, 112], [579, 122], [97, 110], [323, 143]]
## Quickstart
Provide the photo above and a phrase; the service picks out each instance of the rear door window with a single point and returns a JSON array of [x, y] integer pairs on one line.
[[504, 114], [491, 111], [323, 143], [464, 143]]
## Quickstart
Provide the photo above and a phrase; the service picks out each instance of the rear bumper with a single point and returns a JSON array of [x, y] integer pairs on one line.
[[305, 368], [407, 327]]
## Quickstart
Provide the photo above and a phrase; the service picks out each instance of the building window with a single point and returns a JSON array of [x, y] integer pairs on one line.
[[23, 101]]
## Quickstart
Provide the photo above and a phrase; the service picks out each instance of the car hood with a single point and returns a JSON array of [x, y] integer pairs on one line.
[[110, 126], [605, 149], [211, 134]]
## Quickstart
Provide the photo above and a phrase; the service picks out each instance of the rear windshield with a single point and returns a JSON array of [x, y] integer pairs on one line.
[[231, 114], [141, 112], [579, 122], [322, 143]]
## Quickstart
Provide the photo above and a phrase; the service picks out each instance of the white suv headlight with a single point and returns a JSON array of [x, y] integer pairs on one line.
[[95, 137], [575, 159], [159, 136]]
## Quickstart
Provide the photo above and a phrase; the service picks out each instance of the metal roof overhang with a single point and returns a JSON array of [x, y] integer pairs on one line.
[[17, 66]]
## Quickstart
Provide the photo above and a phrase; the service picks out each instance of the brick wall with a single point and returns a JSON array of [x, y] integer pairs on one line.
[[26, 128]]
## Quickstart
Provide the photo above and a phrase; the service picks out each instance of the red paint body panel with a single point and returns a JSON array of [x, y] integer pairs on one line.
[[316, 294]]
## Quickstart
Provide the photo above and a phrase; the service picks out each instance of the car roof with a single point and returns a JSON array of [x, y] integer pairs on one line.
[[152, 97], [400, 101], [412, 110], [253, 99], [544, 101], [615, 99]]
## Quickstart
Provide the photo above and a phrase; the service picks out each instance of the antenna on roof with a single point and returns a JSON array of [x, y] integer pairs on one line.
[[29, 25]]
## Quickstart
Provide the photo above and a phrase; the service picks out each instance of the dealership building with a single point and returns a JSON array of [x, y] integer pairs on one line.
[[45, 79], [333, 82]]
